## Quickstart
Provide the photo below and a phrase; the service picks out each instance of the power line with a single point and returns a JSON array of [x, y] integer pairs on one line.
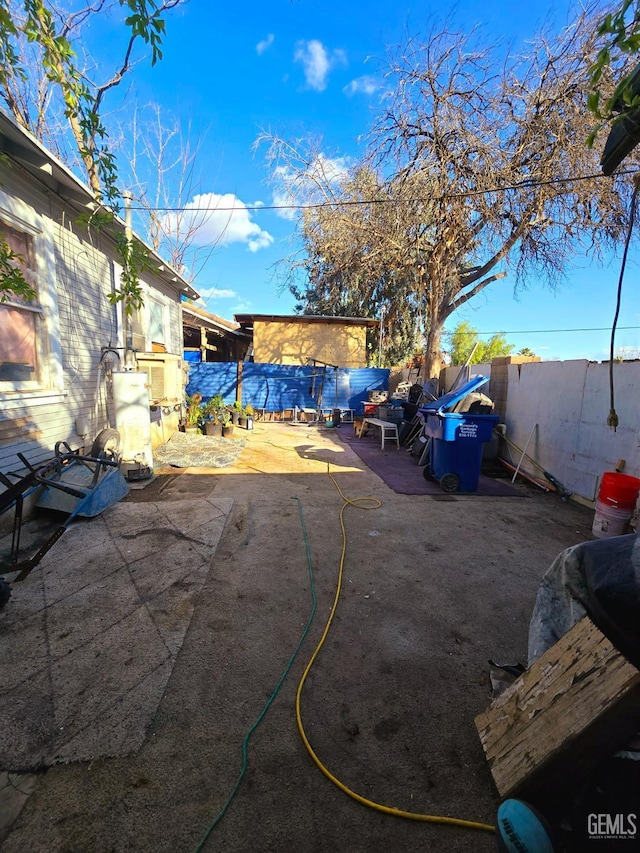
[[549, 331], [346, 203]]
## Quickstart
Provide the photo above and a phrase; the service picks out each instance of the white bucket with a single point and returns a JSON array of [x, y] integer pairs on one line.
[[609, 521]]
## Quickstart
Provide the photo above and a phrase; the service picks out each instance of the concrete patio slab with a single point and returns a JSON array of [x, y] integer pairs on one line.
[[89, 638], [431, 590]]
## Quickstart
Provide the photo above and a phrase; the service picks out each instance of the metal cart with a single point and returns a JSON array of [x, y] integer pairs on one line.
[[71, 483]]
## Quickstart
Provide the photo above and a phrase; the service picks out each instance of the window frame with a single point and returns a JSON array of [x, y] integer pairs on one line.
[[50, 383], [149, 294], [162, 302]]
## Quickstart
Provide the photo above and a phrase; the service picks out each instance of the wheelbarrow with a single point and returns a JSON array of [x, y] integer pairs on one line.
[[70, 483]]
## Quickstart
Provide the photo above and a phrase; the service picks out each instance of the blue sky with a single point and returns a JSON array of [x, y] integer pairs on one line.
[[297, 67]]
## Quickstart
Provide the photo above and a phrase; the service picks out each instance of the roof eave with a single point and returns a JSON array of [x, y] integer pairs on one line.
[[20, 145]]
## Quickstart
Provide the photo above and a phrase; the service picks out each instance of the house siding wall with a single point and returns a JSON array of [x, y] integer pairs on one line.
[[84, 275], [278, 342]]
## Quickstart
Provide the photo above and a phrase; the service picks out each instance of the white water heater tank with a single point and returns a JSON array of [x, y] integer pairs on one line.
[[133, 422]]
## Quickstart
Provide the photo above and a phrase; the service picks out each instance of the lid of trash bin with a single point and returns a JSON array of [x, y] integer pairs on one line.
[[448, 400]]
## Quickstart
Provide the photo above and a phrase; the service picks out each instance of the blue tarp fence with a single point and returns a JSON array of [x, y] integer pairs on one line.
[[275, 387]]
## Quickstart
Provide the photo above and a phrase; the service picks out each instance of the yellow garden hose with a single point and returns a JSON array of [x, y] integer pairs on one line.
[[365, 503]]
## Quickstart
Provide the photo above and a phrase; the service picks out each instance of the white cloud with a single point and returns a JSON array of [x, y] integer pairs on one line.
[[366, 85], [317, 62], [293, 189], [218, 219], [242, 307], [265, 44], [216, 293], [334, 169], [282, 199]]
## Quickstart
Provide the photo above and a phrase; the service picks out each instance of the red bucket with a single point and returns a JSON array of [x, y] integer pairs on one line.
[[619, 490]]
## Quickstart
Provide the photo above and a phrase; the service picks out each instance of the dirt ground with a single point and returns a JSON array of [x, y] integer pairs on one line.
[[433, 587]]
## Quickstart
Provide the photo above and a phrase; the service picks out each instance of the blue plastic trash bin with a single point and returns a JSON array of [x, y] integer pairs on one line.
[[456, 439]]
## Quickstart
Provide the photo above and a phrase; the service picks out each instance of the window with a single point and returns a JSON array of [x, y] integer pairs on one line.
[[149, 325], [136, 324], [30, 358], [21, 319], [157, 324]]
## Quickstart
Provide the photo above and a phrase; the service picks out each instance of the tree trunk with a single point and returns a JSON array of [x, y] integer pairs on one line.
[[432, 353]]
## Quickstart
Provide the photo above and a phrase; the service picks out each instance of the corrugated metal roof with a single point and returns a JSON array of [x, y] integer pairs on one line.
[[250, 319], [208, 317]]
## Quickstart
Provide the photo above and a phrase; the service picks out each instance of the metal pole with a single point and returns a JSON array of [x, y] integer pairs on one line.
[[127, 331], [524, 453], [381, 334], [464, 367]]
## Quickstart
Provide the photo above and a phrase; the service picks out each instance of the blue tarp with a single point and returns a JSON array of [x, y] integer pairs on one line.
[[275, 387]]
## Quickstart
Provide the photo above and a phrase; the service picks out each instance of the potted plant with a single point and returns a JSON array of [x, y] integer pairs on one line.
[[246, 418], [227, 426], [213, 427], [236, 411], [213, 409], [194, 415]]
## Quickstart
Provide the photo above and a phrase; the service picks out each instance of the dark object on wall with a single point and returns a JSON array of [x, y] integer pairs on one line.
[[5, 592]]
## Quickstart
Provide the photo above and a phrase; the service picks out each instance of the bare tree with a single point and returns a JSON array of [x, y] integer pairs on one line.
[[162, 171], [483, 160], [352, 257]]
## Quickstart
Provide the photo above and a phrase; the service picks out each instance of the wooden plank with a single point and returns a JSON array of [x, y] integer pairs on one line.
[[573, 707], [542, 484], [239, 368]]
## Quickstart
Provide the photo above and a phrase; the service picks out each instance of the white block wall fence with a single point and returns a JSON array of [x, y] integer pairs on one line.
[[566, 404]]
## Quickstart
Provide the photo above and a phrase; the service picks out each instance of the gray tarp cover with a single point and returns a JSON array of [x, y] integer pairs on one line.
[[600, 579]]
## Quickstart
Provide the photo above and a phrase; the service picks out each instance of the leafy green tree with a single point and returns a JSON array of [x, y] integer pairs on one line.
[[12, 281], [466, 344], [611, 96], [526, 351]]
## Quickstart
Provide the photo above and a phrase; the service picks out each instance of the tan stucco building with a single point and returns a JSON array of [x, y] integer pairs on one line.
[[279, 339]]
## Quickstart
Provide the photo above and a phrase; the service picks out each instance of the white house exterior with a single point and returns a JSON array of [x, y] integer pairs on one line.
[[57, 353]]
